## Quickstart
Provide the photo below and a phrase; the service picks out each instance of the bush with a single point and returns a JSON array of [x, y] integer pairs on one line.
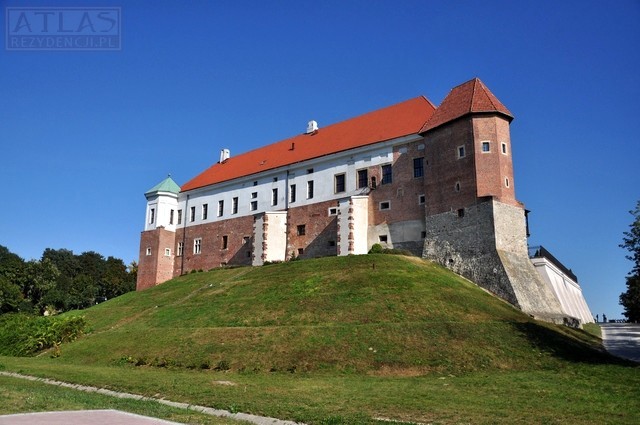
[[26, 335], [376, 249]]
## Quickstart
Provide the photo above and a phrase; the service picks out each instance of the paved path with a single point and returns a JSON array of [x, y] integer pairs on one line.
[[622, 339], [258, 420], [93, 417]]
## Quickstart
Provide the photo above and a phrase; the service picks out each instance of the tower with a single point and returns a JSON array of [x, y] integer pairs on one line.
[[157, 242], [474, 224]]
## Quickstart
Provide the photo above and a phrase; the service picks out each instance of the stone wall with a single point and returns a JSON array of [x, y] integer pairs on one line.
[[486, 243]]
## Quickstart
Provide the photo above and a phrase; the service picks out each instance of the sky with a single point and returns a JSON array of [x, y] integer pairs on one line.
[[83, 134]]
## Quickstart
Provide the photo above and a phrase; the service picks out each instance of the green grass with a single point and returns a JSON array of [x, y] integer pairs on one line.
[[337, 340], [21, 396]]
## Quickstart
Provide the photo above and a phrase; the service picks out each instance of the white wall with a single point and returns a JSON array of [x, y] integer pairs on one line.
[[565, 289], [324, 170]]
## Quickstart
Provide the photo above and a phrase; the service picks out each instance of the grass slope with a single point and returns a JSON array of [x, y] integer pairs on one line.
[[374, 314], [346, 340]]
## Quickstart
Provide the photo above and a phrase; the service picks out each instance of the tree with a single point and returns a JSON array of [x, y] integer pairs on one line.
[[630, 299], [10, 296]]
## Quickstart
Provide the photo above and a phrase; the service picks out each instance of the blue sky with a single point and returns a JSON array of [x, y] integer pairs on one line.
[[84, 134]]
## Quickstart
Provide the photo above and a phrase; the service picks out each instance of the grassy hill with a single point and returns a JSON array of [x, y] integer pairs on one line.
[[345, 340], [381, 313]]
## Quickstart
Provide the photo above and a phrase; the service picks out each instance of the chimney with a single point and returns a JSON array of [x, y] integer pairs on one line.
[[312, 127], [224, 155]]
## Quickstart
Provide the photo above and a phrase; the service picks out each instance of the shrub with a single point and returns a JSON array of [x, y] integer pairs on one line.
[[26, 335], [376, 249]]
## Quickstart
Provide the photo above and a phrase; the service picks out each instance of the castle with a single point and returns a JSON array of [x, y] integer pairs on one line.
[[437, 181]]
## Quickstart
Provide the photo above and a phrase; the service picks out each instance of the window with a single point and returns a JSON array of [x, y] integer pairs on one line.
[[197, 246], [193, 214], [171, 216], [506, 181], [310, 189], [460, 152], [363, 178], [423, 234], [274, 196], [333, 211], [309, 170], [152, 215], [255, 183], [386, 174], [486, 147], [461, 212], [225, 242], [504, 148], [457, 186], [302, 229], [254, 195], [234, 206], [167, 252], [179, 216], [148, 251], [253, 206], [180, 248], [275, 179], [421, 199], [383, 238], [220, 208], [332, 243], [300, 251], [385, 205], [292, 193], [339, 183], [205, 211], [418, 167]]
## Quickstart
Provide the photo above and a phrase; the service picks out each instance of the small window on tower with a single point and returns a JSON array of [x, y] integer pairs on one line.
[[421, 199], [148, 251], [486, 147], [152, 215], [385, 205], [506, 181], [167, 252], [457, 186], [333, 211], [225, 242], [460, 152], [171, 216], [504, 148], [302, 230]]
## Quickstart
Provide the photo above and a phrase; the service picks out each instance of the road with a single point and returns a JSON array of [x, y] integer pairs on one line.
[[622, 339]]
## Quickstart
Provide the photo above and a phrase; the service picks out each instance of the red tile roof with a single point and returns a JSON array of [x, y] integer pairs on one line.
[[472, 96], [394, 121]]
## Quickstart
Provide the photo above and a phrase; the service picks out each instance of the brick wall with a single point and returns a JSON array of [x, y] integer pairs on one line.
[[157, 267], [239, 233], [321, 230]]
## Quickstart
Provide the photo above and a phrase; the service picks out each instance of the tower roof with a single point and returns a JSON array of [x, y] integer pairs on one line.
[[470, 97], [166, 185], [388, 123]]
